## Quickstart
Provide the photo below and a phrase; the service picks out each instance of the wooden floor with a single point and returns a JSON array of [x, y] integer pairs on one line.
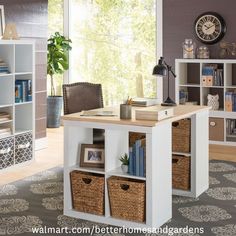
[[53, 156]]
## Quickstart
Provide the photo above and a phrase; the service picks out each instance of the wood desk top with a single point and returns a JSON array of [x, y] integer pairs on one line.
[[180, 112]]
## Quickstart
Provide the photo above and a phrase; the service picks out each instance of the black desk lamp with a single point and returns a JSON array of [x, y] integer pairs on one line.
[[163, 69]]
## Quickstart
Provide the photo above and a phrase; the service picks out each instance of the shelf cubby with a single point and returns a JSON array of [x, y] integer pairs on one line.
[[23, 117], [231, 130], [189, 73], [7, 55], [24, 65], [6, 90], [193, 93], [213, 91]]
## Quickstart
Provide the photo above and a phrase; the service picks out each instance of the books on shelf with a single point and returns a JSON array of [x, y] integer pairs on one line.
[[144, 102], [4, 132], [230, 101], [212, 76], [3, 67], [137, 158], [231, 127], [23, 91], [4, 116], [155, 113]]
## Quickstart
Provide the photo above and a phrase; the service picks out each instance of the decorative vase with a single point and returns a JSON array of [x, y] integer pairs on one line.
[[213, 101], [124, 168], [54, 106]]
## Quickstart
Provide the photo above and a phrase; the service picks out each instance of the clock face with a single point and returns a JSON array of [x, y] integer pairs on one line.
[[210, 28]]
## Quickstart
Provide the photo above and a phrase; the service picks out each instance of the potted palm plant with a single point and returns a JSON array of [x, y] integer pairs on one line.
[[57, 63], [124, 162]]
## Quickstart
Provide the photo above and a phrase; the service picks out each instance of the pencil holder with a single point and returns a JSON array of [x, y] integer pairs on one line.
[[125, 111]]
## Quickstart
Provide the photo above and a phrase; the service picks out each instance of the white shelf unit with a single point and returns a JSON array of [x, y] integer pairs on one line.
[[158, 165], [19, 55], [189, 72]]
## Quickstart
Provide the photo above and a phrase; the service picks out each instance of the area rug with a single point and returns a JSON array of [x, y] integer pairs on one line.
[[37, 202]]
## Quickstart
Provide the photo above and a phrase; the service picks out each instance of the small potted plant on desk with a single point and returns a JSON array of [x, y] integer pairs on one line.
[[58, 48], [125, 163]]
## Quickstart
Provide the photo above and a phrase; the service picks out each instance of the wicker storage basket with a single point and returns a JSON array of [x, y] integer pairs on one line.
[[87, 192], [181, 172], [127, 198], [181, 133]]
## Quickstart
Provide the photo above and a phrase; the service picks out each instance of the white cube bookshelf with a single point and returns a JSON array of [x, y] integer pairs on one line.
[[189, 78], [19, 55]]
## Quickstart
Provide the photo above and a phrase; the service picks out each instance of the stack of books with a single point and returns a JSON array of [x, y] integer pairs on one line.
[[137, 158], [3, 67], [4, 132], [23, 91], [212, 76], [4, 116], [230, 101]]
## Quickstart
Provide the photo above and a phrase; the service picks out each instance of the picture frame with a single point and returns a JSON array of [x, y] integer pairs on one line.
[[2, 20], [92, 155]]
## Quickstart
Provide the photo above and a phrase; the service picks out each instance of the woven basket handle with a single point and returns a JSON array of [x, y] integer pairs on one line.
[[87, 180], [175, 160], [124, 187], [175, 124]]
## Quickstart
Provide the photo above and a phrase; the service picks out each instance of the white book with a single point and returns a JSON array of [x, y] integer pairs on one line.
[[144, 102], [155, 113], [5, 134], [4, 130]]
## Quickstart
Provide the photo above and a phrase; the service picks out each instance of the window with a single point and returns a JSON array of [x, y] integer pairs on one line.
[[113, 43]]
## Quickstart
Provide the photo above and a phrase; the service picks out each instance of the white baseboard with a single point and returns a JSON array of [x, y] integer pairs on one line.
[[41, 143]]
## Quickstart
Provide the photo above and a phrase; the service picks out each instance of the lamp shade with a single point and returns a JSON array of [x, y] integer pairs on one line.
[[160, 69]]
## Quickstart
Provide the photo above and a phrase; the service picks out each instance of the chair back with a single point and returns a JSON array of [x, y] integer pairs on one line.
[[81, 96]]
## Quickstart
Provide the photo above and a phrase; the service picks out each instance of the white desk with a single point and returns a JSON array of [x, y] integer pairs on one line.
[[78, 130]]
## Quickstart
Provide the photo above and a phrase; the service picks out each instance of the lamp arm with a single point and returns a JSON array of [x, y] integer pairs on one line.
[[169, 69]]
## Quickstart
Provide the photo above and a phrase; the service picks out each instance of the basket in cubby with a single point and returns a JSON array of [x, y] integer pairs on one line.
[[87, 192], [127, 198], [181, 136], [181, 172]]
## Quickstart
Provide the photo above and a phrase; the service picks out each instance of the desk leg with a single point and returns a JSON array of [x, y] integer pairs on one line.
[[158, 175], [200, 153]]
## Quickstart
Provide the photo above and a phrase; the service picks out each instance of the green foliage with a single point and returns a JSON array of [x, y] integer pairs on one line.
[[57, 56], [124, 159]]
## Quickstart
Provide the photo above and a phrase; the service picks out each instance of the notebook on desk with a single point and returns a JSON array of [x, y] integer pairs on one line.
[[98, 113]]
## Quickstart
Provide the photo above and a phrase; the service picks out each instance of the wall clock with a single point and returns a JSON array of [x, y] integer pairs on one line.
[[210, 27]]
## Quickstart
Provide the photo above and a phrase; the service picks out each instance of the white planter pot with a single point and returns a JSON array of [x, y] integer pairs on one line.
[[124, 168]]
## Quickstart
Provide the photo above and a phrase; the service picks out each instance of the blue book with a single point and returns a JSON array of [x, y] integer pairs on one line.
[[134, 159], [234, 100], [131, 167], [137, 146], [18, 93], [141, 161]]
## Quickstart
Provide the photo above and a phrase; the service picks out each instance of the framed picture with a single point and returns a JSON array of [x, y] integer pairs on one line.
[[2, 20], [92, 155]]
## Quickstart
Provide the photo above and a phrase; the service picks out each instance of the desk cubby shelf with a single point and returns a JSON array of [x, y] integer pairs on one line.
[[19, 58], [189, 78]]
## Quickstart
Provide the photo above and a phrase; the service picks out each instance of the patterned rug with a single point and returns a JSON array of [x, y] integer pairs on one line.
[[37, 201]]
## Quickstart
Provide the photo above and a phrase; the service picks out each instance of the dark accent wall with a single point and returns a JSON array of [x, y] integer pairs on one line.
[[31, 18], [178, 21]]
